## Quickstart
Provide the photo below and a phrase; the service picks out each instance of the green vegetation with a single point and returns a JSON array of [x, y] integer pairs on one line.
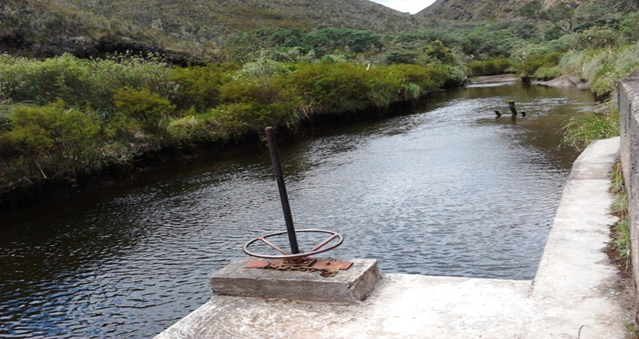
[[181, 30], [64, 118], [602, 69]]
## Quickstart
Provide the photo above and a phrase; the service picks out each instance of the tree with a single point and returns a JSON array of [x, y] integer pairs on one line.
[[560, 15], [437, 50]]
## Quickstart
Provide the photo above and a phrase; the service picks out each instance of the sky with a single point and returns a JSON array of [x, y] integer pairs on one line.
[[411, 6]]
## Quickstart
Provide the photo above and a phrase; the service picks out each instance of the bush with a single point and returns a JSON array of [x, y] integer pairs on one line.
[[199, 87], [120, 71], [40, 83], [52, 142], [402, 83], [529, 62], [147, 108], [488, 67], [400, 57], [80, 83], [547, 73], [593, 38], [328, 87]]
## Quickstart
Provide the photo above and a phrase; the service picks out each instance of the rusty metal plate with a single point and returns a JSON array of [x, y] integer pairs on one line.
[[257, 264], [327, 265], [309, 265]]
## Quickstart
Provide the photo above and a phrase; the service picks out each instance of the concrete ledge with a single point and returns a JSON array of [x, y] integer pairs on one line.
[[347, 286], [595, 162], [576, 289], [402, 307]]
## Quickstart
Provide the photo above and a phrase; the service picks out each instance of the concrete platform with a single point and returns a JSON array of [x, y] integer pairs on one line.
[[575, 294], [348, 286]]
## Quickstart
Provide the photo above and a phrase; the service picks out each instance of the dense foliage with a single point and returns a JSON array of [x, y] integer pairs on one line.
[[64, 118]]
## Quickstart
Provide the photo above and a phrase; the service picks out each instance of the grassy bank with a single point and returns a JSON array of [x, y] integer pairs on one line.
[[601, 69], [64, 120]]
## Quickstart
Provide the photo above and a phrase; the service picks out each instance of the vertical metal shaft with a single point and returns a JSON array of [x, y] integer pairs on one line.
[[277, 169]]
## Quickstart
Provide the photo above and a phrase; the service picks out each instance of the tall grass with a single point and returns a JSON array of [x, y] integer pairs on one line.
[[621, 243], [602, 69], [583, 129]]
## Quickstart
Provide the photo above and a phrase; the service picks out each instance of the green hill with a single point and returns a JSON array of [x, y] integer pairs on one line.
[[467, 10], [183, 29]]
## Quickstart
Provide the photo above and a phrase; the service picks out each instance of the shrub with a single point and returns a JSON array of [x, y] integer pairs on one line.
[[53, 142], [528, 64], [398, 83], [120, 71], [494, 66], [190, 129], [400, 57], [27, 81], [547, 73], [328, 87], [595, 37], [147, 108], [602, 68], [79, 82], [199, 87], [256, 103]]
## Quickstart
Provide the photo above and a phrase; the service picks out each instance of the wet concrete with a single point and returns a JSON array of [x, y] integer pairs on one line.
[[574, 294]]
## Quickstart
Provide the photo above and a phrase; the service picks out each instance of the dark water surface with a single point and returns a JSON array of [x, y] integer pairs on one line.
[[447, 190]]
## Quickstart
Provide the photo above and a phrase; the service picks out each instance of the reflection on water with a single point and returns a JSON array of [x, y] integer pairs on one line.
[[447, 190]]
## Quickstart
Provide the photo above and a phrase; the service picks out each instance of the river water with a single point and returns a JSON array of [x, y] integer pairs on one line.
[[445, 189]]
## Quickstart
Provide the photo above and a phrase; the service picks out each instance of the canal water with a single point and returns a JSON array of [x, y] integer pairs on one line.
[[445, 189]]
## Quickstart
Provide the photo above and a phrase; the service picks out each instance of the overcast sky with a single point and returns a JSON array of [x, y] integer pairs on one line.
[[411, 6]]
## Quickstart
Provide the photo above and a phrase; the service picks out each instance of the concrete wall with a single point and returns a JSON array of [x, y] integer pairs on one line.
[[629, 156]]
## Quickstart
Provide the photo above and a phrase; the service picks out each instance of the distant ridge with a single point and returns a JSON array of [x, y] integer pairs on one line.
[[226, 16], [192, 30], [44, 28], [476, 10], [471, 10]]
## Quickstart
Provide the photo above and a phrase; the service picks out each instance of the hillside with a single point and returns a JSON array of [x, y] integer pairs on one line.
[[184, 29], [195, 31], [471, 9], [477, 10], [223, 16]]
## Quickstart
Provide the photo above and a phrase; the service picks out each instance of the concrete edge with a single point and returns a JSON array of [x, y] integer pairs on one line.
[[576, 285]]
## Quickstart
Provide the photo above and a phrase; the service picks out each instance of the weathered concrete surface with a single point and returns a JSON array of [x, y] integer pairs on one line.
[[572, 296], [629, 156], [347, 286], [403, 306], [575, 284]]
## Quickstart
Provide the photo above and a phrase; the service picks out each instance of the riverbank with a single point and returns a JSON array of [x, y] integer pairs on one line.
[[576, 293], [65, 121]]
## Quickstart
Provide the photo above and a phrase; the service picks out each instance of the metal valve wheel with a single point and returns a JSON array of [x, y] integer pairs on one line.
[[334, 236]]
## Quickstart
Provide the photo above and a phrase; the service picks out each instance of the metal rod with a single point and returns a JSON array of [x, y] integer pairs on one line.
[[324, 243], [275, 247], [277, 169]]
